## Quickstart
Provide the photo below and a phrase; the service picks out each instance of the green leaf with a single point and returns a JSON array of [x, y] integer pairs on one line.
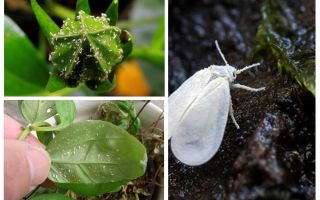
[[127, 41], [45, 137], [22, 63], [157, 40], [134, 121], [291, 46], [112, 12], [37, 110], [135, 127], [55, 84], [84, 6], [86, 50], [95, 152], [51, 197], [124, 105], [102, 87], [122, 114], [48, 26], [66, 111]]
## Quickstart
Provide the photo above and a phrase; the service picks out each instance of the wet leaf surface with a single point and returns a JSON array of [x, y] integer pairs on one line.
[[37, 111], [64, 113], [95, 153]]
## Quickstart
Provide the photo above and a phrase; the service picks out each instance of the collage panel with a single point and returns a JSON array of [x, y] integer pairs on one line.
[[84, 48], [159, 99], [241, 105], [99, 149]]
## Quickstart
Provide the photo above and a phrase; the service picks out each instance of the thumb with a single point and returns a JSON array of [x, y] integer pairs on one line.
[[25, 167]]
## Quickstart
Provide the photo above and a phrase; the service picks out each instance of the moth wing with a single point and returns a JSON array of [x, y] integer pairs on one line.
[[199, 133], [185, 95]]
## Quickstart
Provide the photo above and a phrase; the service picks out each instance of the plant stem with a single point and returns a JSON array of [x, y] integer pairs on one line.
[[24, 134]]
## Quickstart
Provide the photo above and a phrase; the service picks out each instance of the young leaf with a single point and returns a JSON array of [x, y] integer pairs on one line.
[[84, 6], [37, 110], [48, 26], [112, 12], [95, 152], [45, 137], [127, 41], [134, 123], [22, 63], [86, 50], [51, 197], [66, 111]]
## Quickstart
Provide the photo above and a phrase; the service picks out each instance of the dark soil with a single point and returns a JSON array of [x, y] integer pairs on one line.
[[272, 156]]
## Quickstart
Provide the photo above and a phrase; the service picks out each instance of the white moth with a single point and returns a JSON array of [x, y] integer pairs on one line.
[[198, 112]]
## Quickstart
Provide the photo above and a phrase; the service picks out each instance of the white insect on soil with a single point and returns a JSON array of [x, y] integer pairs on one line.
[[198, 111]]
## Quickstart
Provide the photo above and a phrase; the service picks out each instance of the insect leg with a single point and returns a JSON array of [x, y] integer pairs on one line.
[[232, 116], [239, 86], [220, 52]]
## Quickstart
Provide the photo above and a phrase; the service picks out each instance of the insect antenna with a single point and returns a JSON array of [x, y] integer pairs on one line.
[[220, 52], [239, 71]]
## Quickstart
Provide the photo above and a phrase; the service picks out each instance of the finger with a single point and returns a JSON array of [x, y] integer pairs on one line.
[[25, 166], [12, 130]]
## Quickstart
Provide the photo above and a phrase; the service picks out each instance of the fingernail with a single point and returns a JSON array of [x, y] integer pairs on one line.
[[39, 164]]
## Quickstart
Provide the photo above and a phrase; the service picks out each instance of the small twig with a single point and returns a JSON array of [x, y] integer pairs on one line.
[[157, 121], [154, 124], [151, 182], [152, 137], [158, 171]]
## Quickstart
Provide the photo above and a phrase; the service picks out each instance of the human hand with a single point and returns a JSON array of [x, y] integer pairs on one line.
[[26, 163]]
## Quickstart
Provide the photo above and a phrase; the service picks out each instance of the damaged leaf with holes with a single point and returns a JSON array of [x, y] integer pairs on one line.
[[87, 49]]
